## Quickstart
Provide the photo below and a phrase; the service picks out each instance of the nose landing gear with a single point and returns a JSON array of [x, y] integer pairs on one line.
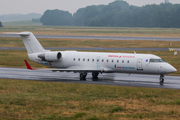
[[161, 79]]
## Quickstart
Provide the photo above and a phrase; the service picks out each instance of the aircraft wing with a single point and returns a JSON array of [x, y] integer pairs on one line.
[[82, 69], [75, 69]]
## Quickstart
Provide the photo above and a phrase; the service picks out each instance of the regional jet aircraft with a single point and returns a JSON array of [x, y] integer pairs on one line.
[[94, 62]]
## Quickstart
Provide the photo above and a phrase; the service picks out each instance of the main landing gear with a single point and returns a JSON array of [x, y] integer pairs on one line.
[[95, 75], [161, 79], [84, 74]]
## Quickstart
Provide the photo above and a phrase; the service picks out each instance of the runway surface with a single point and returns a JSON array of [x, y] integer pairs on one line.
[[99, 37], [93, 48], [136, 80]]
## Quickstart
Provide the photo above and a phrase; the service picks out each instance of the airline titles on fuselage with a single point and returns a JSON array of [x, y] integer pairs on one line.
[[122, 56]]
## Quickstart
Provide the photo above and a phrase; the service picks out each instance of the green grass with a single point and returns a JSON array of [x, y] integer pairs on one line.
[[37, 28], [17, 42], [43, 100], [15, 58], [21, 23]]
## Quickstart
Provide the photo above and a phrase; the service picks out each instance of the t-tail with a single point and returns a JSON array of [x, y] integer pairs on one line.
[[31, 43], [35, 50]]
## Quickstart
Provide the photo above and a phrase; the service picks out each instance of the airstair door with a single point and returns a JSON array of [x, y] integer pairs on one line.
[[139, 65]]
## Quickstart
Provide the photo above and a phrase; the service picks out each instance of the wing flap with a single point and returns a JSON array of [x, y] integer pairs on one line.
[[83, 69], [76, 70]]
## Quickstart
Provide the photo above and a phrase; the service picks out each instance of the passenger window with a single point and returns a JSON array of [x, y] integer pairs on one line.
[[93, 60], [122, 61], [88, 60], [79, 59], [112, 60], [117, 61], [84, 59], [128, 61], [102, 60], [107, 60], [97, 60], [74, 59]]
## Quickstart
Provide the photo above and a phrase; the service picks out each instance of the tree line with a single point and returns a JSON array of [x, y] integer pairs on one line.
[[19, 17], [117, 14], [1, 24]]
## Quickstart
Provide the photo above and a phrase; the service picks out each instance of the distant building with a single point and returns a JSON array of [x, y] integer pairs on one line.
[[166, 1]]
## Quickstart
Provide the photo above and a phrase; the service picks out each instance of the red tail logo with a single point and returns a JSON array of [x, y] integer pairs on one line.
[[28, 66]]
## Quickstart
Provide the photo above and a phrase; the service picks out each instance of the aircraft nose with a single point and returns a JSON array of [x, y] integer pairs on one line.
[[172, 69]]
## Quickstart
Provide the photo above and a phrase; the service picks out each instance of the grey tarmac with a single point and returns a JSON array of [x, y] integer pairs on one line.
[[90, 48], [117, 79], [98, 37]]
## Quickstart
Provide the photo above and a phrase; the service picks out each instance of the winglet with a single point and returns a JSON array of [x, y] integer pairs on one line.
[[28, 66]]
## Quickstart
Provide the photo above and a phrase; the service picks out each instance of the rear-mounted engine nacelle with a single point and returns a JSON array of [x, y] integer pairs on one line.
[[50, 56]]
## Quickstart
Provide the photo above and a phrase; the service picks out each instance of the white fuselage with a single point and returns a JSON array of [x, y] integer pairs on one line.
[[109, 62]]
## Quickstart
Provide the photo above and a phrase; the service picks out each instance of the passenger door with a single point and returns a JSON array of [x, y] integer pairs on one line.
[[139, 64]]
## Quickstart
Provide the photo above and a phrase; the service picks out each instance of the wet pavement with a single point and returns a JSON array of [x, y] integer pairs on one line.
[[118, 79]]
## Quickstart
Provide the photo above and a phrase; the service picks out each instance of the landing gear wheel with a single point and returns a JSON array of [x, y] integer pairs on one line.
[[161, 79], [95, 75], [83, 76]]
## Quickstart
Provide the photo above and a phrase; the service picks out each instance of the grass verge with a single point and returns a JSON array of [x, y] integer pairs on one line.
[[92, 31], [46, 42], [43, 100]]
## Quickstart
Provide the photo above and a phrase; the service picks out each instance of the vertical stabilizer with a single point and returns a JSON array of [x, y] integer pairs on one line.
[[31, 43]]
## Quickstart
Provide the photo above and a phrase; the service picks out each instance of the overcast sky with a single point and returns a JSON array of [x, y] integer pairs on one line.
[[40, 6]]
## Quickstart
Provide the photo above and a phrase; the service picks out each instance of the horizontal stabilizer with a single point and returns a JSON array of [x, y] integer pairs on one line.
[[31, 43], [21, 33]]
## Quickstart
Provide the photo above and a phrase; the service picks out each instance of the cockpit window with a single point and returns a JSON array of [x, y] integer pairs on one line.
[[153, 60], [156, 60], [160, 60]]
